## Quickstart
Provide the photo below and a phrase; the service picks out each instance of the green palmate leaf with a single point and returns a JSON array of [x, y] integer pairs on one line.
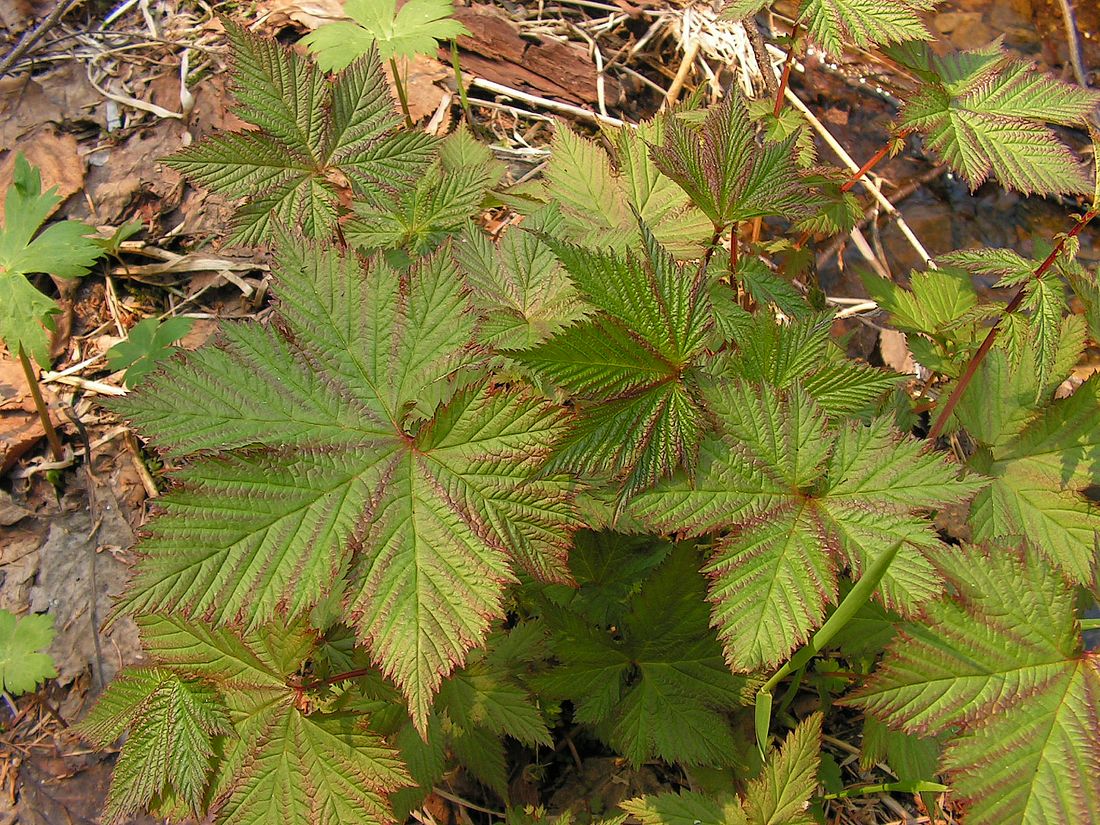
[[416, 29], [1039, 476], [640, 413], [171, 723], [837, 211], [781, 354], [767, 287], [315, 766], [599, 202], [777, 128], [24, 664], [314, 428], [609, 569], [149, 343], [658, 686], [448, 195], [779, 796], [1010, 268], [912, 758], [740, 9], [440, 203], [863, 23], [583, 183], [1044, 299], [520, 289], [800, 503], [481, 696], [313, 138], [483, 755], [677, 224], [726, 173], [984, 113], [934, 302], [940, 307], [63, 249], [1002, 664], [321, 768]]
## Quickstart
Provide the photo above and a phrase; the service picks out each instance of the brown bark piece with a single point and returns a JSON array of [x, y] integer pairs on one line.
[[557, 69]]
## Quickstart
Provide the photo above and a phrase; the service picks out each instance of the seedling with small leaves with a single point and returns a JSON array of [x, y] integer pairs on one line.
[[149, 342], [24, 664], [415, 29]]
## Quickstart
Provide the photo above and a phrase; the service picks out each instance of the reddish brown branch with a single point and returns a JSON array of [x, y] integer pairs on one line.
[[991, 336], [733, 250], [788, 61], [339, 677], [874, 161], [710, 248]]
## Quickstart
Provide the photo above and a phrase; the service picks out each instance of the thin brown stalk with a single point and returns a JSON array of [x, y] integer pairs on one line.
[[40, 405], [760, 52], [733, 250], [30, 38], [788, 61], [1073, 42], [710, 248], [874, 161], [986, 345], [339, 677]]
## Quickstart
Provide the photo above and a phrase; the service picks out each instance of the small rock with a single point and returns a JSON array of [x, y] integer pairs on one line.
[[949, 21], [972, 34]]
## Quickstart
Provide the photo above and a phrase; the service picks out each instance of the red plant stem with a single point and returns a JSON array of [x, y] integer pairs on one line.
[[874, 161], [339, 677], [991, 336], [710, 248], [40, 405], [733, 250], [785, 79]]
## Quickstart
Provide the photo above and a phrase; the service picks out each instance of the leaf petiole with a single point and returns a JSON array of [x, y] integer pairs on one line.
[[40, 405], [859, 594], [402, 95]]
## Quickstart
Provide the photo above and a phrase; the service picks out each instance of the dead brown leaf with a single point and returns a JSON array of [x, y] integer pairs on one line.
[[17, 15], [422, 74], [895, 353], [55, 155], [131, 174], [78, 585], [61, 96], [20, 428], [10, 512], [308, 14]]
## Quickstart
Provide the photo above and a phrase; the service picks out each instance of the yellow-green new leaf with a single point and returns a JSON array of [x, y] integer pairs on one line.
[[24, 662], [986, 113], [415, 29]]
